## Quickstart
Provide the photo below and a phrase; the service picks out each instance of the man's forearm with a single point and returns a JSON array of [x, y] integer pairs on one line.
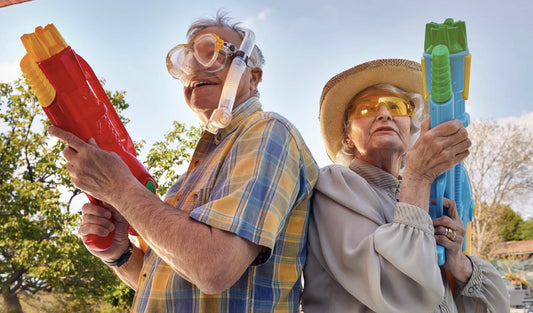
[[130, 271], [209, 258]]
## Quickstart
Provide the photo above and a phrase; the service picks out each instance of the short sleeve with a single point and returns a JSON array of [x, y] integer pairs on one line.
[[262, 178]]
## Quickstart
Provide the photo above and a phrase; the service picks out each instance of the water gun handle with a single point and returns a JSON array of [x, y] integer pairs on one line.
[[438, 189], [95, 242]]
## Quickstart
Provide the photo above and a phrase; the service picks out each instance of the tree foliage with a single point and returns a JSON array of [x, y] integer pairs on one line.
[[39, 248], [167, 157], [510, 223], [526, 230], [500, 166]]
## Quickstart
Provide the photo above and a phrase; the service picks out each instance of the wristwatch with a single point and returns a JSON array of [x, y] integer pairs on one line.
[[122, 259]]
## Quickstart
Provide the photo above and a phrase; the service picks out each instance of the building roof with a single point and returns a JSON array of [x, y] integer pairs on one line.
[[5, 3], [513, 248]]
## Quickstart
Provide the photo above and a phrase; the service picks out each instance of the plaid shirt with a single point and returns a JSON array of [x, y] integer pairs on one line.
[[254, 179]]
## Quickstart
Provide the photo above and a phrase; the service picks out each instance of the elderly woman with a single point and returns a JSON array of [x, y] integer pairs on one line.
[[371, 245]]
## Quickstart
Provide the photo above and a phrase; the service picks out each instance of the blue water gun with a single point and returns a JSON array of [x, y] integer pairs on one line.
[[446, 78]]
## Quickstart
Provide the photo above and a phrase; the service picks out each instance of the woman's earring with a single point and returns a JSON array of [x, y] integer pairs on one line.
[[348, 141]]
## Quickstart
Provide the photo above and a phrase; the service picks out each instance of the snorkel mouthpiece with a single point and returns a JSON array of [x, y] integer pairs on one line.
[[221, 117]]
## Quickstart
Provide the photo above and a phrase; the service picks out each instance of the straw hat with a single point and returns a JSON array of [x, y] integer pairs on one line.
[[340, 89]]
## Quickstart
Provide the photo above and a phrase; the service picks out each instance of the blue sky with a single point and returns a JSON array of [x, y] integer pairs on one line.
[[305, 43]]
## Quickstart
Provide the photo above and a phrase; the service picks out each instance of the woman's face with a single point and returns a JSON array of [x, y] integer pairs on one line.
[[382, 135]]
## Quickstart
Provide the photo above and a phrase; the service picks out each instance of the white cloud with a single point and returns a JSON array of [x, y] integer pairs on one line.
[[9, 72], [526, 120], [261, 16]]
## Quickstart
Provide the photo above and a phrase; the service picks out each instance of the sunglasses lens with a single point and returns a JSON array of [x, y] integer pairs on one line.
[[368, 106], [397, 106], [365, 109]]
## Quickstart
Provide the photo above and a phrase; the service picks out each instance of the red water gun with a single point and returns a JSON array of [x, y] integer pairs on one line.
[[73, 99]]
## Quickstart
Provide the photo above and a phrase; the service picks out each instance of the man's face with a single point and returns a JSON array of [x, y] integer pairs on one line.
[[204, 90]]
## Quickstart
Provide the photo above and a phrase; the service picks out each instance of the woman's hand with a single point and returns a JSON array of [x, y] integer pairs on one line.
[[437, 149], [450, 233]]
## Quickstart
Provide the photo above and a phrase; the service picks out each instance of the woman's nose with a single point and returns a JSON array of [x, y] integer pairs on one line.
[[383, 113]]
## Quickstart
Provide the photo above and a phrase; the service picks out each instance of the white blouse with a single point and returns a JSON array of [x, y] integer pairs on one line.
[[367, 252]]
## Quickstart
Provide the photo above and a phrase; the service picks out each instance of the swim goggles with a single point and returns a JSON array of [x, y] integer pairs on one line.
[[206, 53], [368, 106]]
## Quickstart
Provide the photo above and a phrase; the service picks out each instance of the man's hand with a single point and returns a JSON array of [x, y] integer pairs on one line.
[[93, 170], [100, 221]]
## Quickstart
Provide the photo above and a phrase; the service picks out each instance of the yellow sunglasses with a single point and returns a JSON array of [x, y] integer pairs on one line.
[[368, 106]]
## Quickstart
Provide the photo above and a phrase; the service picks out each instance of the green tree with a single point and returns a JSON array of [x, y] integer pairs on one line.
[[39, 248], [167, 157], [510, 224], [526, 230]]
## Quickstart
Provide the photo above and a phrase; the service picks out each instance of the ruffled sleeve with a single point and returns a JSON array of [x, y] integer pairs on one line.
[[484, 290]]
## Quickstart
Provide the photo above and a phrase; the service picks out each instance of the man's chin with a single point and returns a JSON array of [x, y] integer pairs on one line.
[[203, 113]]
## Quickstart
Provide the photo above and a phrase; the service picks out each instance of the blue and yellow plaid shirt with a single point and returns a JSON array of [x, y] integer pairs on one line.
[[254, 179]]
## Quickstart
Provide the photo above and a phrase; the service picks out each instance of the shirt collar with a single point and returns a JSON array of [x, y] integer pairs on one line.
[[377, 177]]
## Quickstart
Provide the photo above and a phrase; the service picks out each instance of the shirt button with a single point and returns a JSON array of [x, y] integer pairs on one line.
[[471, 290]]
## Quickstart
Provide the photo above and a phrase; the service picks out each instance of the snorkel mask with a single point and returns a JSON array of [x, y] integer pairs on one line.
[[209, 53]]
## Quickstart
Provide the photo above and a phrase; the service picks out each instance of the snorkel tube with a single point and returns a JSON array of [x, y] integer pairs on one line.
[[222, 115]]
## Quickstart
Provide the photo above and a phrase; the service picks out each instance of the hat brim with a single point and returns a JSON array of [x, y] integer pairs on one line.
[[341, 88]]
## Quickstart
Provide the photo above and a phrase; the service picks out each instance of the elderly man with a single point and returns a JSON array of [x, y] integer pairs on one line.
[[230, 234]]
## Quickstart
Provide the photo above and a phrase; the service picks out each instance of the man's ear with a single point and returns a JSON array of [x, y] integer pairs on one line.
[[256, 75]]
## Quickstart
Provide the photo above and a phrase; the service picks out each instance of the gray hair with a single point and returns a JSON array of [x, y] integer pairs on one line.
[[223, 20], [347, 153]]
